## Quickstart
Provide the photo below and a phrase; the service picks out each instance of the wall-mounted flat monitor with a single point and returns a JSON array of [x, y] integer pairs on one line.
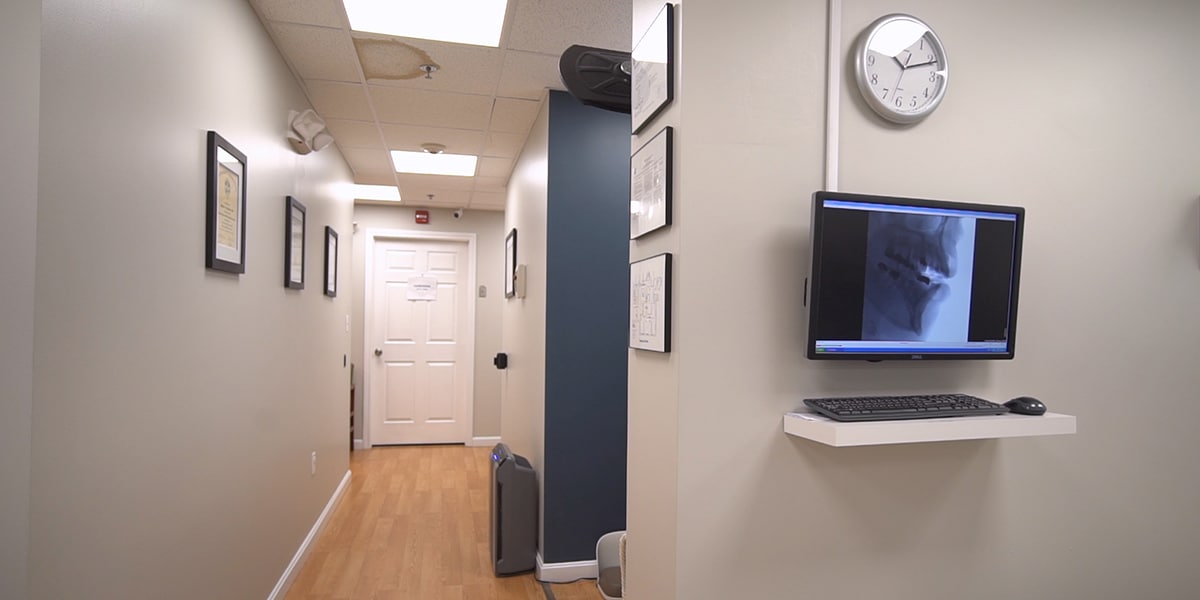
[[909, 279]]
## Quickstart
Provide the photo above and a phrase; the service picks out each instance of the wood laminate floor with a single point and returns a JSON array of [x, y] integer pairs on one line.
[[413, 525]]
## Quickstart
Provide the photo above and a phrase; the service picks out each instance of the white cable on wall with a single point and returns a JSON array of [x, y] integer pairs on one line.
[[833, 94]]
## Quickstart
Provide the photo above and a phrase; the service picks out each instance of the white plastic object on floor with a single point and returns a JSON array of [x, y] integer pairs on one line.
[[609, 576]]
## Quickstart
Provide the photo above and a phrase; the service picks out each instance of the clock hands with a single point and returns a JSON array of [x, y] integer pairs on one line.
[[904, 65]]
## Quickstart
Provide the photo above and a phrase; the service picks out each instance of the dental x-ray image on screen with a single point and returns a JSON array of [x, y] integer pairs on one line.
[[906, 278], [918, 280]]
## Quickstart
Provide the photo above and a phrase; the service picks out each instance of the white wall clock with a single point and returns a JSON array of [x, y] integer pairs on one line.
[[900, 66]]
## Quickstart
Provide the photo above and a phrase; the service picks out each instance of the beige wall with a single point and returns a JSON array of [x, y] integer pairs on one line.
[[175, 408], [523, 415], [488, 228], [1036, 115], [20, 39], [653, 459]]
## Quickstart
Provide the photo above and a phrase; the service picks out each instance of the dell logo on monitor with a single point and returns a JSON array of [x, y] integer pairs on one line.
[[917, 357]]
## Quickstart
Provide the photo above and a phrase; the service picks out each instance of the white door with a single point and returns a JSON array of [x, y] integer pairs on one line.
[[421, 343]]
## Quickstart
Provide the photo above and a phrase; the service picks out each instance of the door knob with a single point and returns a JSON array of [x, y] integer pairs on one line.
[[378, 352]]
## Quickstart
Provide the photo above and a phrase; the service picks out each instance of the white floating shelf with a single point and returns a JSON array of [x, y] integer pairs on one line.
[[873, 433]]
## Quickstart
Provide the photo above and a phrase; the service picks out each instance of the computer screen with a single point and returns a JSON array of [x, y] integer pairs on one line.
[[905, 278]]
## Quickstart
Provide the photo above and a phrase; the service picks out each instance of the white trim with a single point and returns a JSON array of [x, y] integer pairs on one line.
[[359, 444], [486, 440], [565, 572], [372, 235], [833, 97], [293, 568]]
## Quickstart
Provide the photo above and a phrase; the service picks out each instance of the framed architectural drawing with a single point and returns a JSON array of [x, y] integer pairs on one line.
[[650, 185], [650, 303], [653, 78]]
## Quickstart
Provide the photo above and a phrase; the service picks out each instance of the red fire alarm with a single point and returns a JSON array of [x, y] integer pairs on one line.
[[422, 217]]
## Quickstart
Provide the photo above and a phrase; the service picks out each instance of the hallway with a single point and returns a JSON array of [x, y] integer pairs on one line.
[[413, 525]]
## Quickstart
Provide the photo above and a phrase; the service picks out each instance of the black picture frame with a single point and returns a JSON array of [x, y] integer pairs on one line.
[[510, 264], [331, 261], [651, 184], [295, 222], [653, 69], [650, 303], [225, 215]]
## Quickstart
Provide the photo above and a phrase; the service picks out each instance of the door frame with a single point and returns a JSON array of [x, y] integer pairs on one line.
[[407, 235]]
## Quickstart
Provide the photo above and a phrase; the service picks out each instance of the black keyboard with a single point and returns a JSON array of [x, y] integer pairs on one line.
[[887, 408]]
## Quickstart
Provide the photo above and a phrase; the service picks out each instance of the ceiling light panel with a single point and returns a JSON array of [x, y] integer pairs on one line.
[[422, 163], [376, 192], [477, 22]]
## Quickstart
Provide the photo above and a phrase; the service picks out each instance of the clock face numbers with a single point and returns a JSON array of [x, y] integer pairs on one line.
[[901, 68], [906, 81]]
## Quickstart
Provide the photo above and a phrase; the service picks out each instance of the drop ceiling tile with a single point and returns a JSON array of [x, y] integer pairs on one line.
[[550, 26], [513, 116], [494, 167], [375, 178], [490, 184], [339, 100], [367, 163], [437, 182], [506, 145], [488, 201], [456, 141], [354, 134], [311, 12], [455, 200], [528, 75], [419, 196], [397, 62], [317, 52], [430, 109]]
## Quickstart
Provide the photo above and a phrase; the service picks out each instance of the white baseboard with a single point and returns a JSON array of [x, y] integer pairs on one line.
[[293, 568], [359, 444], [566, 571], [488, 440]]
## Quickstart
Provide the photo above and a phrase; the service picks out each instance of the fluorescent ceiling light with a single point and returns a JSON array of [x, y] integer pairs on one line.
[[475, 22], [424, 163], [376, 192]]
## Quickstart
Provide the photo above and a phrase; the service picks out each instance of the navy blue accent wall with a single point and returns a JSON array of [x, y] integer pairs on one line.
[[587, 324]]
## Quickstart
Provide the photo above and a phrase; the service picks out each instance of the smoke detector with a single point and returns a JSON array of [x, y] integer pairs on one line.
[[433, 148]]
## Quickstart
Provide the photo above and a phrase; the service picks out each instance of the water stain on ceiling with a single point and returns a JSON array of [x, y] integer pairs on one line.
[[391, 59]]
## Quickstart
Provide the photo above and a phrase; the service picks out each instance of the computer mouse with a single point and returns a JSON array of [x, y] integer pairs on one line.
[[1026, 405]]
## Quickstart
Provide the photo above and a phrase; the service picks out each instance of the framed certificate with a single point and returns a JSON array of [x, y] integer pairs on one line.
[[293, 243], [653, 78], [650, 304], [225, 237], [331, 262], [510, 264], [650, 185]]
